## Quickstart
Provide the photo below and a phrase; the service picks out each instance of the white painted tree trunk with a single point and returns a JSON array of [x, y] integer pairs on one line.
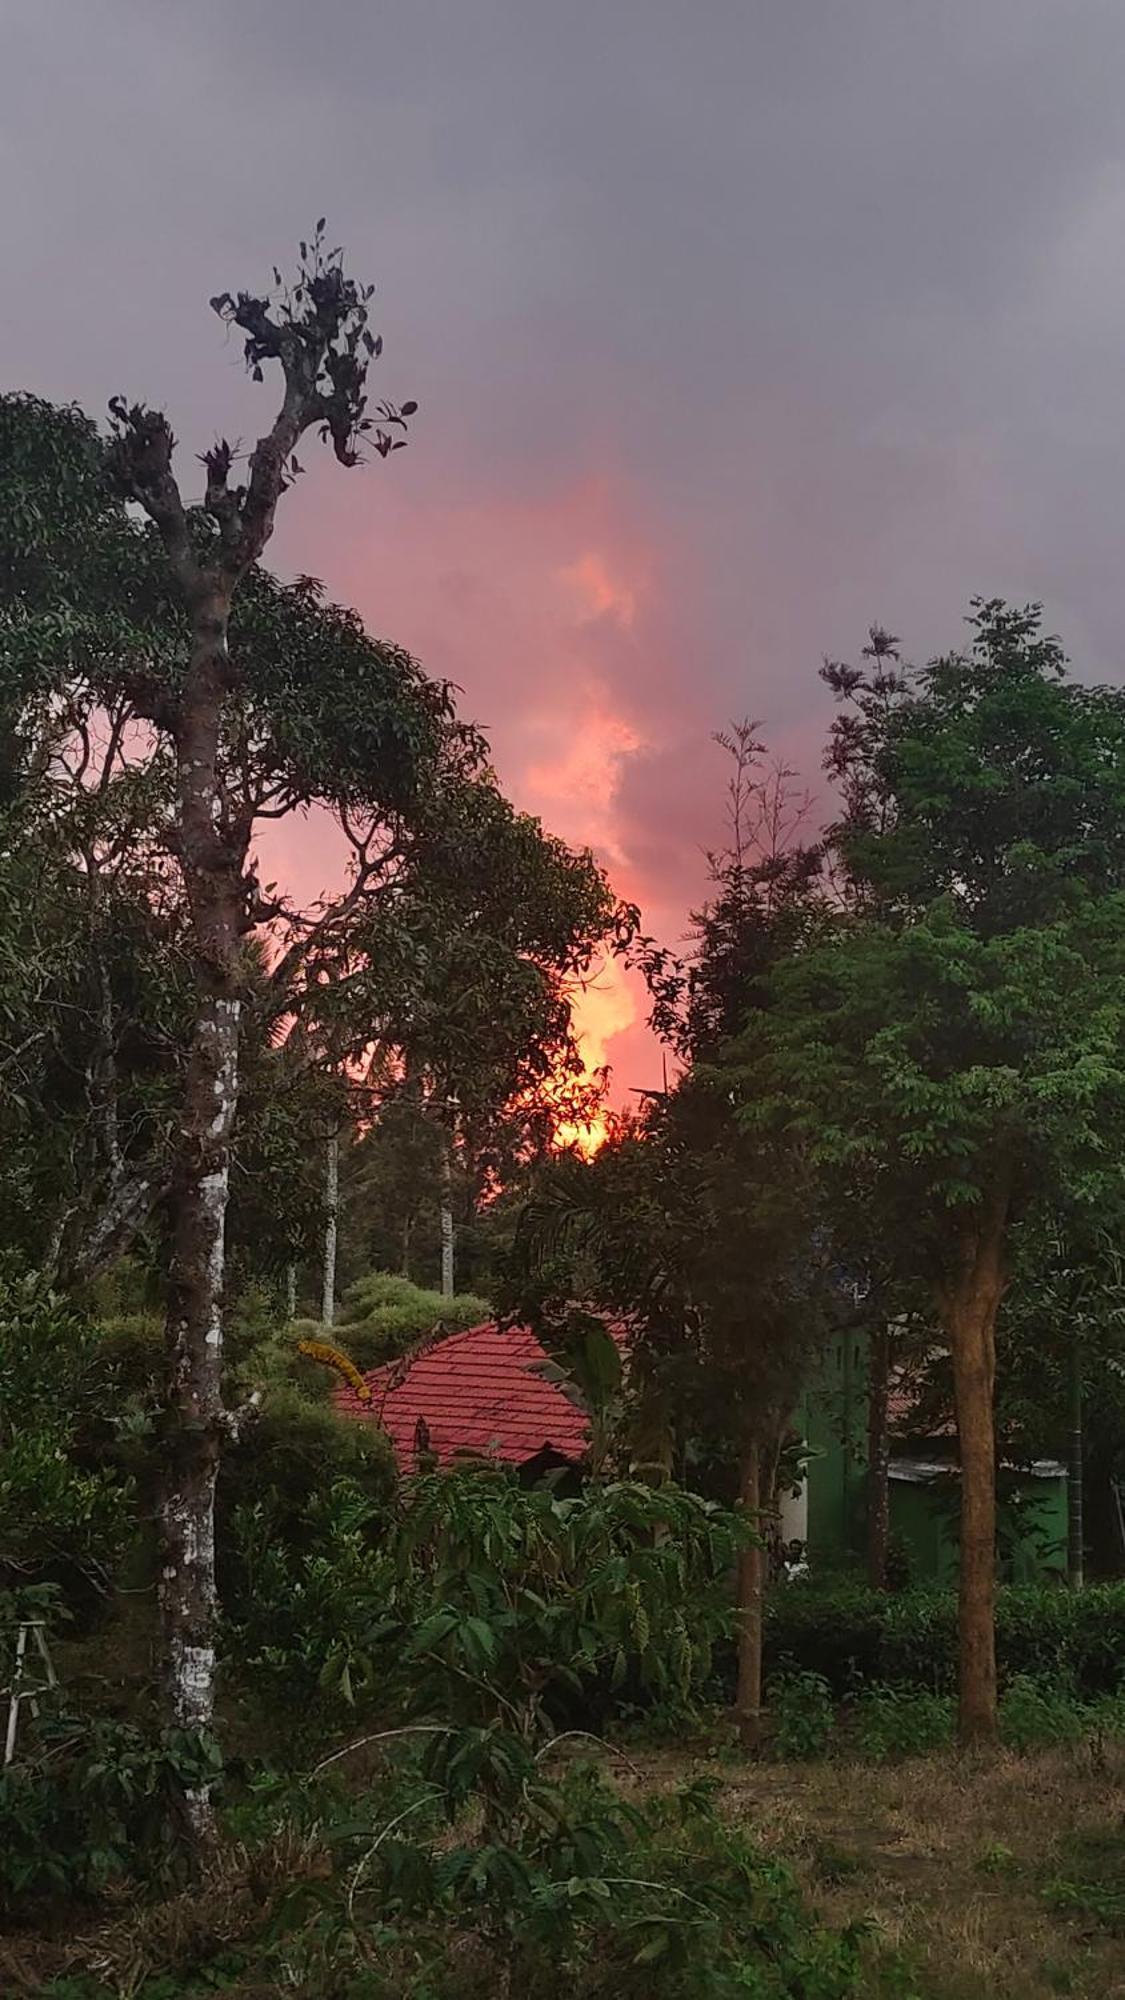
[[195, 1419], [331, 1224], [291, 1290], [447, 1238]]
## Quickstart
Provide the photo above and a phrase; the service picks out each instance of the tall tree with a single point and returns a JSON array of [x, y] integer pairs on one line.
[[298, 709], [193, 687], [955, 1046], [701, 1230]]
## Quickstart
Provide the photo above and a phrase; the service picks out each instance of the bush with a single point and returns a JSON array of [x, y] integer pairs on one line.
[[297, 1449], [857, 1637], [481, 1599], [64, 1513], [303, 1503], [383, 1315], [802, 1714], [101, 1804], [479, 1874], [889, 1722], [543, 1880], [561, 1610]]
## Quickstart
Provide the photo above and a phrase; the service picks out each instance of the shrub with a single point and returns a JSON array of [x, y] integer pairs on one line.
[[887, 1722], [482, 1599], [296, 1449], [305, 1613], [557, 1609], [383, 1315], [64, 1513], [102, 1803], [303, 1502], [857, 1637], [802, 1714], [132, 1346], [546, 1880]]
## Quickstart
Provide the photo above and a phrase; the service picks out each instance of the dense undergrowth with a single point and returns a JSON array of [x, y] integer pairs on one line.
[[418, 1680], [855, 1637]]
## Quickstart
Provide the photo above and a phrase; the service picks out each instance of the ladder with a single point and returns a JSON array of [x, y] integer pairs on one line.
[[31, 1677]]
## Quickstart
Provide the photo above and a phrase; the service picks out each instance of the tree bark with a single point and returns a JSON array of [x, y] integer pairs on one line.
[[1075, 1526], [291, 1291], [447, 1238], [331, 1227], [878, 1457], [212, 856], [749, 1605], [970, 1303]]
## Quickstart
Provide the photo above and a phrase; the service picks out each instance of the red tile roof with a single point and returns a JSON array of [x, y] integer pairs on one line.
[[477, 1394]]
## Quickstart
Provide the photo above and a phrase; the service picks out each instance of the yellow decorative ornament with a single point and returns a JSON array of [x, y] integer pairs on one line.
[[331, 1357]]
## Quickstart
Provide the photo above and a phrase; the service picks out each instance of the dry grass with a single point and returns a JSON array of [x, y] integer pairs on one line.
[[949, 1858]]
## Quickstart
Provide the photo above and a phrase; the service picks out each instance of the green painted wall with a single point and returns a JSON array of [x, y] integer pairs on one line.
[[835, 1427], [833, 1416]]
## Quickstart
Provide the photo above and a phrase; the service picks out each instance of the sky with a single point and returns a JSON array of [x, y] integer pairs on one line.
[[735, 326]]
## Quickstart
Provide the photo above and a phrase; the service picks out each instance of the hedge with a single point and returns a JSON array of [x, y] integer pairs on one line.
[[856, 1637]]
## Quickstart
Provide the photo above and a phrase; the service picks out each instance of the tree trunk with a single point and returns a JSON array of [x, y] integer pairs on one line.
[[878, 1458], [331, 1225], [212, 855], [1075, 1528], [407, 1233], [291, 1291], [446, 1220], [749, 1605], [970, 1304]]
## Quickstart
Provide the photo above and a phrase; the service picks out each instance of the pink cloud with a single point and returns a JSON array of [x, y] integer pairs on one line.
[[550, 614]]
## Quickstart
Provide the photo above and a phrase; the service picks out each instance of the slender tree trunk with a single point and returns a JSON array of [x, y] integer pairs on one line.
[[750, 1592], [331, 1226], [970, 1304], [291, 1291], [878, 1457], [407, 1233], [212, 855], [447, 1272], [1075, 1527]]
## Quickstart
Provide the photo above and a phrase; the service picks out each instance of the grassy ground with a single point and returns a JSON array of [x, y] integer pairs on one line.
[[1004, 1880]]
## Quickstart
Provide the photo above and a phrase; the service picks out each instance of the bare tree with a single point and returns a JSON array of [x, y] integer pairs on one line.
[[316, 333]]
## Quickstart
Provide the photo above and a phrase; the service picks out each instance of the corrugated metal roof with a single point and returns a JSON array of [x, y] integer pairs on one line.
[[475, 1393]]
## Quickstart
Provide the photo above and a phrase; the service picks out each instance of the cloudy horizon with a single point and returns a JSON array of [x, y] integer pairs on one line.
[[733, 328]]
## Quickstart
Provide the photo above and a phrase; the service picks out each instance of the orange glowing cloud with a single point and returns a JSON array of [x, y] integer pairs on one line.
[[541, 608], [598, 591]]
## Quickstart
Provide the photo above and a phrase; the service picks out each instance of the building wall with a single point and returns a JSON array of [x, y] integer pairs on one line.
[[834, 1415], [923, 1519]]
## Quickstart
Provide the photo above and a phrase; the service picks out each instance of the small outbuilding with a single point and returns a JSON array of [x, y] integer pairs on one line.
[[828, 1513]]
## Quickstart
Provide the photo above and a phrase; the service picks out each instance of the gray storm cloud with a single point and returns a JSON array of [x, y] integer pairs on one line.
[[790, 316]]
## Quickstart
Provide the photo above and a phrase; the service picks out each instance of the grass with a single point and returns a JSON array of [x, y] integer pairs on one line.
[[1003, 1879]]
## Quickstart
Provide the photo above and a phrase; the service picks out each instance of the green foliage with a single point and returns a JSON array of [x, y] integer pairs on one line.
[[303, 1501], [665, 1900], [549, 1608], [305, 1610], [890, 1722], [1092, 1884], [101, 1804], [382, 1316], [483, 1600], [802, 1713], [63, 1509], [859, 1638], [506, 1881]]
